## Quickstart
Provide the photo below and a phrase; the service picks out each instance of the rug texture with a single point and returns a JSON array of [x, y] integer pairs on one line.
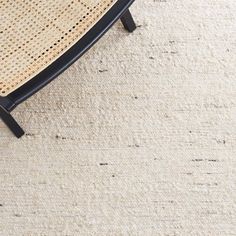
[[136, 138]]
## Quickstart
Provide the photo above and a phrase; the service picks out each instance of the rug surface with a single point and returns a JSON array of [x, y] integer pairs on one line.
[[145, 143]]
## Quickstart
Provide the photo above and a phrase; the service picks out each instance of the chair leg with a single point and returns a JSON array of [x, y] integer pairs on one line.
[[128, 21], [11, 122]]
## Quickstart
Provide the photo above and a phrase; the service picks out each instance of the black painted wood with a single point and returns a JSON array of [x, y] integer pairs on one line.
[[128, 21], [11, 122]]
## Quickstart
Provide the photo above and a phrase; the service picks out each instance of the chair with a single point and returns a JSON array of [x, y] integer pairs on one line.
[[41, 39]]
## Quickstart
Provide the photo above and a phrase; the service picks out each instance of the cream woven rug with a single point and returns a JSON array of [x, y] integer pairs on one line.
[[145, 143]]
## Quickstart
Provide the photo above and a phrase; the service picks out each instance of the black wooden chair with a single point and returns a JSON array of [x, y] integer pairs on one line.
[[40, 39]]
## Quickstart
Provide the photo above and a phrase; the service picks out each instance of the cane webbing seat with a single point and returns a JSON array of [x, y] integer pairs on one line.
[[34, 33], [39, 39]]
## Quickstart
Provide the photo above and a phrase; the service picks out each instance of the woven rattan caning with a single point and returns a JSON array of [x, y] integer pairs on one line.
[[34, 33]]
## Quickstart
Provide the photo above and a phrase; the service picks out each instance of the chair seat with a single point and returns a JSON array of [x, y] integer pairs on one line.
[[33, 34]]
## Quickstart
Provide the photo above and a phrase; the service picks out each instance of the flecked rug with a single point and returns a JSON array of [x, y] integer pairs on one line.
[[136, 138]]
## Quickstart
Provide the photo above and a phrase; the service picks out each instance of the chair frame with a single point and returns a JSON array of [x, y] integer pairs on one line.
[[120, 10]]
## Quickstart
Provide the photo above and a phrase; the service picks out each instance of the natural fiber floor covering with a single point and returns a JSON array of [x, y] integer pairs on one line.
[[136, 138]]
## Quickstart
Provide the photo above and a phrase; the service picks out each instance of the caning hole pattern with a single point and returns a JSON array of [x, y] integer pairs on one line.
[[34, 33]]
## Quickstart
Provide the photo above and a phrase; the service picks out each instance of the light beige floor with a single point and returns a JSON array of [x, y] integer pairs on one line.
[[145, 143]]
